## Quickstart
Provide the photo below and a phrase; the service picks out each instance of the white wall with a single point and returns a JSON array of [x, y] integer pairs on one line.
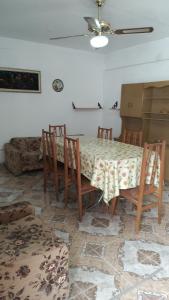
[[25, 114], [142, 63], [87, 79]]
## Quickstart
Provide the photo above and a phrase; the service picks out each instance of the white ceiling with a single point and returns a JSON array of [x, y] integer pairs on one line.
[[38, 20]]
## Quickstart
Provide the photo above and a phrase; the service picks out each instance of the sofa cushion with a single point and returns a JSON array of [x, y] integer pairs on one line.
[[15, 211], [30, 158], [26, 143], [33, 262], [19, 143], [33, 143]]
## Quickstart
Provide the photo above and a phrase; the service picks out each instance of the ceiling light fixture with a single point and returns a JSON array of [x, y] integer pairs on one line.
[[99, 41]]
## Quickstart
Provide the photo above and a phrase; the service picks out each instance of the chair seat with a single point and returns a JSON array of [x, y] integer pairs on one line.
[[86, 187], [60, 168], [132, 194]]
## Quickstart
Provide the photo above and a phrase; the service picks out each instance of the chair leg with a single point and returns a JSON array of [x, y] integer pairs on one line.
[[106, 208], [159, 210], [80, 207], [57, 194], [66, 194], [138, 220], [55, 182], [113, 205], [60, 185], [44, 181], [91, 197]]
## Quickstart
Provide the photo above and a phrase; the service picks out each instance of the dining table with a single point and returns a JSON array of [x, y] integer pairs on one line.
[[109, 165]]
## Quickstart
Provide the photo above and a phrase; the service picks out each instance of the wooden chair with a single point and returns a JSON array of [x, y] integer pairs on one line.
[[59, 130], [104, 133], [51, 165], [153, 155], [132, 137], [73, 173]]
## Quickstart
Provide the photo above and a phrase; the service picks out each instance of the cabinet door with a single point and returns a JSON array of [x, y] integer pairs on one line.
[[132, 100]]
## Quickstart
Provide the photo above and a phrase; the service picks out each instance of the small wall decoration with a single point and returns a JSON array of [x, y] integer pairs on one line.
[[57, 85], [20, 80]]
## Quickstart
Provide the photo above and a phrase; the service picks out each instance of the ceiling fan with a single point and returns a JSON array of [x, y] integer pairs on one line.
[[99, 29]]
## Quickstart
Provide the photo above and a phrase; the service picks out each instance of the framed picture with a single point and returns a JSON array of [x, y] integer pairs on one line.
[[20, 80]]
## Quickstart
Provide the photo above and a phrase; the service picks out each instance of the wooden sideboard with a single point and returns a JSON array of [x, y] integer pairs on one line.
[[145, 106]]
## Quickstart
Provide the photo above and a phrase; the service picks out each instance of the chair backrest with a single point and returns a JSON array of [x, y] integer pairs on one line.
[[152, 168], [72, 161], [132, 137], [104, 133], [59, 130], [49, 150]]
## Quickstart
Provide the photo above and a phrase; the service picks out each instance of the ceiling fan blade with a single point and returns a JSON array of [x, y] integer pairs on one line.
[[68, 36], [93, 23], [133, 30]]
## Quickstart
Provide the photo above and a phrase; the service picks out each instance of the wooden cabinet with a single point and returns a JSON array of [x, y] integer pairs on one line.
[[132, 100], [145, 106]]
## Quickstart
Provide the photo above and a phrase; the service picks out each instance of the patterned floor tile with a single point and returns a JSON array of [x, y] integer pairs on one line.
[[4, 179], [62, 235], [39, 186], [146, 228], [83, 291], [57, 219], [100, 222], [151, 296], [21, 182], [93, 249], [167, 228], [38, 210], [147, 259], [103, 224], [91, 283], [9, 195]]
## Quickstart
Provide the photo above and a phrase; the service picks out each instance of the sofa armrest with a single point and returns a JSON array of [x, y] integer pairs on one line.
[[13, 159], [15, 211], [10, 148]]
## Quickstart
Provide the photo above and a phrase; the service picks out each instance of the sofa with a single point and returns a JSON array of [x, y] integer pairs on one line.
[[33, 261], [23, 154]]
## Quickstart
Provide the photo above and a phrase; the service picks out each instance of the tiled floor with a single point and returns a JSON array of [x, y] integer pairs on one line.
[[107, 259]]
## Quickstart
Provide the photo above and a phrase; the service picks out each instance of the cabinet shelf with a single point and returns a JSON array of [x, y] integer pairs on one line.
[[156, 98], [156, 119], [87, 108], [156, 113]]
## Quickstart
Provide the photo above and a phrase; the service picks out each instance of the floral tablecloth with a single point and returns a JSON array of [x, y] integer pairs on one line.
[[109, 165]]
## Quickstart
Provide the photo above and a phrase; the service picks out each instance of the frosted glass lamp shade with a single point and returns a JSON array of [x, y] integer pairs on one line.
[[99, 41]]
